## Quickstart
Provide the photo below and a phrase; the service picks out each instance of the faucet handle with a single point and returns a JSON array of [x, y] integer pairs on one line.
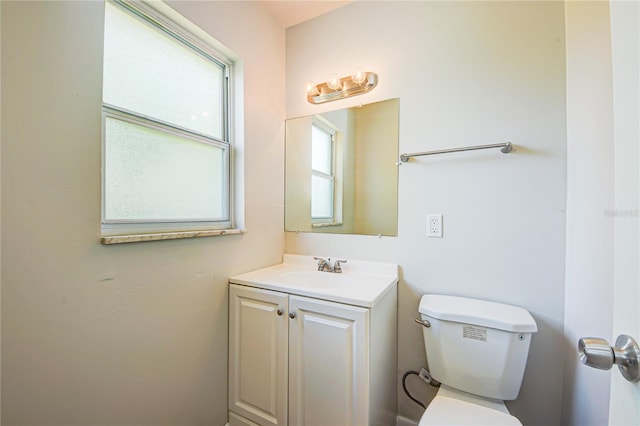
[[322, 264], [337, 268]]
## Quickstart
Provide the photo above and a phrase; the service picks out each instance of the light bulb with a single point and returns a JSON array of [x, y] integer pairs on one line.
[[333, 82], [312, 90], [358, 76]]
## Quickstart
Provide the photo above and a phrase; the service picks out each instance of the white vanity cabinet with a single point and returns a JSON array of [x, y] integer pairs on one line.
[[299, 360], [258, 356]]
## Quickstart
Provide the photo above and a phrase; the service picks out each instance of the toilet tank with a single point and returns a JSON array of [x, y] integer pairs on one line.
[[477, 346]]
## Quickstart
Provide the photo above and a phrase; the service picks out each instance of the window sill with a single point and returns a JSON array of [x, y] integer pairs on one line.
[[138, 238], [324, 225]]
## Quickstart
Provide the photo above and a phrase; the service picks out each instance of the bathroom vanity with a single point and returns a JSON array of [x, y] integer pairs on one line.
[[313, 348]]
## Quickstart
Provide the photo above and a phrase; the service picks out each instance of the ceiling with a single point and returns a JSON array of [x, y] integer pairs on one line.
[[292, 12]]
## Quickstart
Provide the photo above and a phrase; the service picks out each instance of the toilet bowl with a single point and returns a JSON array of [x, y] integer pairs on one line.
[[478, 351], [452, 407]]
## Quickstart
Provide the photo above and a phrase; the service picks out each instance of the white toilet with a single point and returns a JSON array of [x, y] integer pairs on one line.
[[478, 351]]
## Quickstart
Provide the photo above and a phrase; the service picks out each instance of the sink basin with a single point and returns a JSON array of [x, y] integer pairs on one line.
[[361, 283], [316, 279]]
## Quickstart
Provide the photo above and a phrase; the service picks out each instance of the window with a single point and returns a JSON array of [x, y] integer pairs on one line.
[[323, 179], [166, 145]]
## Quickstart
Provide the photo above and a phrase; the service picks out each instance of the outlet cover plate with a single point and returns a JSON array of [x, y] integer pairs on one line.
[[434, 225]]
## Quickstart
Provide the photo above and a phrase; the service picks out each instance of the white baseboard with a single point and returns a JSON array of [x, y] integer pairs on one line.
[[403, 421], [400, 421]]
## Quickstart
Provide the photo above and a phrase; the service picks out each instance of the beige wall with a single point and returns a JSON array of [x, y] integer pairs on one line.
[[134, 333], [466, 73]]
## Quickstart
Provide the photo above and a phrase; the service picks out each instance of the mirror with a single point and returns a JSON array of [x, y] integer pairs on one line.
[[341, 174]]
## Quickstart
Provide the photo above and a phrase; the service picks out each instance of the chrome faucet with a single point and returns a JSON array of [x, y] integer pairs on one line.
[[325, 265]]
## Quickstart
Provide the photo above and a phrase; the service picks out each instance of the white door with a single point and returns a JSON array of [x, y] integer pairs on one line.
[[328, 363], [258, 355], [624, 406]]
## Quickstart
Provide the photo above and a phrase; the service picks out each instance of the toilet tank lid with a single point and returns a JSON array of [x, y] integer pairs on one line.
[[477, 312]]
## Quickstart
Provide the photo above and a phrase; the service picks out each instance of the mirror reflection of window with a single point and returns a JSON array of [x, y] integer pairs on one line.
[[363, 153], [322, 173]]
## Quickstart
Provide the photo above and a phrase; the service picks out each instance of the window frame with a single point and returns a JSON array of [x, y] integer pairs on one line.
[[148, 15], [329, 129]]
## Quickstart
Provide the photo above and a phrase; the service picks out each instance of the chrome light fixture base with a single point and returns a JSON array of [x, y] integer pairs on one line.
[[323, 93]]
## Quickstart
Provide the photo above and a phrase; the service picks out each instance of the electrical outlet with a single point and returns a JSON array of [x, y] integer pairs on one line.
[[434, 225]]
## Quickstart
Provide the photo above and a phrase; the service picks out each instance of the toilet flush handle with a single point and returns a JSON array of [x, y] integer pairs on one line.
[[423, 322]]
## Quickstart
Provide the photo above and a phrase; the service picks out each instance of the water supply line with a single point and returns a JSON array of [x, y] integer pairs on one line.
[[425, 376]]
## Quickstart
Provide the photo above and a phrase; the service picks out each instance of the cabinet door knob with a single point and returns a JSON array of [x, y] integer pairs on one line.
[[280, 312], [292, 315]]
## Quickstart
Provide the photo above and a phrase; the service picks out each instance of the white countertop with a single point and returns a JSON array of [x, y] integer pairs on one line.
[[361, 283]]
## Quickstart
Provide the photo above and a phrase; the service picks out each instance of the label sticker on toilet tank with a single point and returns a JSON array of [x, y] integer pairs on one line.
[[476, 333]]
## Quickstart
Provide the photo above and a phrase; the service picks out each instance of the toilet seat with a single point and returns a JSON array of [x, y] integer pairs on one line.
[[444, 410]]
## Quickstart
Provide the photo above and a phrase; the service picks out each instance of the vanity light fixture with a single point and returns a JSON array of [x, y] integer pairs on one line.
[[359, 82]]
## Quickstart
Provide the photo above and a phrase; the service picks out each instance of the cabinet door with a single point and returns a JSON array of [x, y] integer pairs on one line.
[[328, 363], [258, 325]]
